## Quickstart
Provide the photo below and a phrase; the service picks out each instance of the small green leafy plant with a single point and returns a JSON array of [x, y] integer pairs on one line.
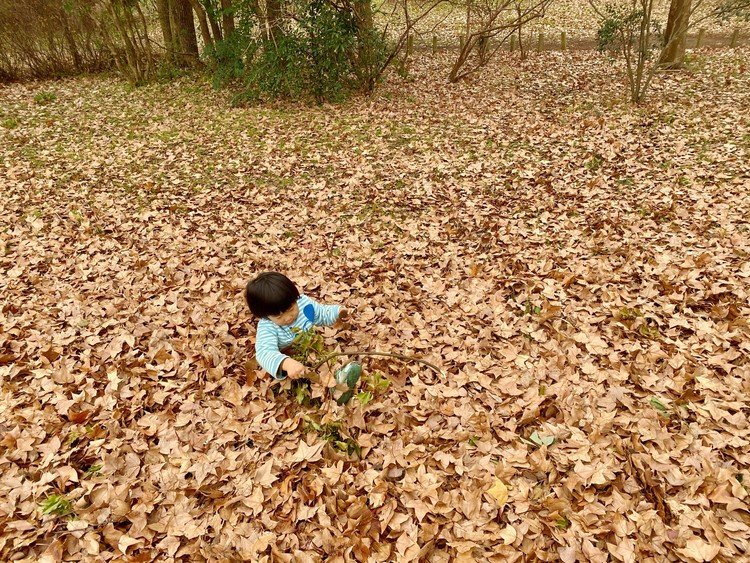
[[57, 505], [651, 332], [562, 523], [331, 433], [93, 469], [307, 344], [364, 397], [659, 407], [44, 97], [530, 309], [376, 382], [594, 163], [628, 314], [301, 391]]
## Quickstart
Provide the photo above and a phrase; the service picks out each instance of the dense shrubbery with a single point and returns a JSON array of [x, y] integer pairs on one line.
[[316, 52], [320, 50]]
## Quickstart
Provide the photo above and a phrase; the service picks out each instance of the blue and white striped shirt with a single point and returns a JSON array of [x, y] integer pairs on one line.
[[270, 337]]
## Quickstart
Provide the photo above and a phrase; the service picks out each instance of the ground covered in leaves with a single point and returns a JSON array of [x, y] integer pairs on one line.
[[579, 267], [447, 22]]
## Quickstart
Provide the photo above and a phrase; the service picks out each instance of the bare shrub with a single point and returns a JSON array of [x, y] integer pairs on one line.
[[45, 38]]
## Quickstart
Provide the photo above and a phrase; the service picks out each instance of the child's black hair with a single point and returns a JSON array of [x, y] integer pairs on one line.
[[270, 293]]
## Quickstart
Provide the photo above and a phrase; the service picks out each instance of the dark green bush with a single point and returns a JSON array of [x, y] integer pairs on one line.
[[313, 55]]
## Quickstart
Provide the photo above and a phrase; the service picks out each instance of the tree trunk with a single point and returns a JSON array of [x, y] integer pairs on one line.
[[273, 13], [363, 19], [185, 32], [70, 40], [200, 13], [675, 37], [163, 9], [215, 27], [227, 17]]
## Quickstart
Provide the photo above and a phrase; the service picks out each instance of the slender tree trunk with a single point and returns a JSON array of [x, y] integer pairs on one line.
[[202, 23], [675, 37], [131, 55], [146, 41], [210, 11], [70, 40], [185, 32], [227, 17], [363, 19], [644, 42], [273, 14], [163, 9]]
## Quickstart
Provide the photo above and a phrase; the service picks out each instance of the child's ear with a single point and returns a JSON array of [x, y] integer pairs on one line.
[[309, 312]]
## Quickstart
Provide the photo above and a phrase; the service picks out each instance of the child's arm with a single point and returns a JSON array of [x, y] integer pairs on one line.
[[323, 315], [267, 351]]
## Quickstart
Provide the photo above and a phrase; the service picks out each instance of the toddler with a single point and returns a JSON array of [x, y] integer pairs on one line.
[[276, 301]]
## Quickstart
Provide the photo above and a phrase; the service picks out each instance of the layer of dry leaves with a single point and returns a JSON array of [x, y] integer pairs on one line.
[[447, 22], [578, 266]]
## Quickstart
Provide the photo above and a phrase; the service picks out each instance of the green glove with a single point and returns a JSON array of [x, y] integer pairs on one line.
[[349, 374]]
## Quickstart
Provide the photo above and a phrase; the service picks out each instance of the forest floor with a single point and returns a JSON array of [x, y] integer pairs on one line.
[[578, 266], [577, 18]]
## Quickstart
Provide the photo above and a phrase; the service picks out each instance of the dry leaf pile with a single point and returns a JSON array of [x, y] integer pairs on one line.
[[578, 266], [577, 19]]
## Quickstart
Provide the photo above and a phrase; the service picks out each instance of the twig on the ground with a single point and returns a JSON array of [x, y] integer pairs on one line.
[[401, 357]]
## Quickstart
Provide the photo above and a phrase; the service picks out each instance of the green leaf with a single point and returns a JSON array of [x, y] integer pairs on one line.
[[57, 505], [93, 469], [349, 374], [659, 407], [542, 440], [562, 523], [364, 397]]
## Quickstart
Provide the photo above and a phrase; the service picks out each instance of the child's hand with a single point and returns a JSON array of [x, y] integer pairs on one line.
[[293, 369], [341, 322]]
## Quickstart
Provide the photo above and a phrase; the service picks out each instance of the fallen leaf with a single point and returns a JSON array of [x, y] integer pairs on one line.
[[700, 550], [499, 491]]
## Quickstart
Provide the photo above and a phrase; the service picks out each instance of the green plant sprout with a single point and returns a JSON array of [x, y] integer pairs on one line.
[[531, 309], [57, 505], [376, 382], [93, 469], [659, 407], [331, 433], [364, 397], [44, 97], [307, 344], [562, 523], [301, 392], [628, 314]]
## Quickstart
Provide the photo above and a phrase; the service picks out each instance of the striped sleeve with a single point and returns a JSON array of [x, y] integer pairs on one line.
[[267, 349], [325, 315]]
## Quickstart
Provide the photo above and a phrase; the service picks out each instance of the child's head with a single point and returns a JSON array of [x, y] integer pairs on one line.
[[270, 295]]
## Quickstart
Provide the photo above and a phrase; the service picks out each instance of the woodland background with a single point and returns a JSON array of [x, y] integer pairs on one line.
[[564, 232]]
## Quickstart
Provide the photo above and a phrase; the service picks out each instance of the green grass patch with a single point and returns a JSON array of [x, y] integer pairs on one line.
[[44, 97]]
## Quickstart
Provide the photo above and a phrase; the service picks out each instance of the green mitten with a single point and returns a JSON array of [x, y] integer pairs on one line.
[[349, 374], [345, 397]]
